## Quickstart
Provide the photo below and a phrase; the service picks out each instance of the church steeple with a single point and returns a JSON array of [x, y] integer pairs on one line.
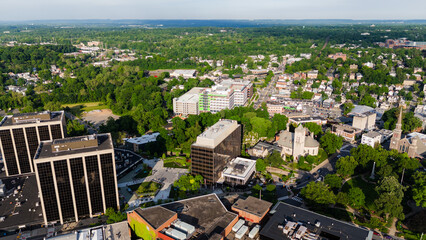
[[397, 132]]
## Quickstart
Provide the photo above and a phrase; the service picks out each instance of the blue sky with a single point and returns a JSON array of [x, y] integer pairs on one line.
[[211, 9]]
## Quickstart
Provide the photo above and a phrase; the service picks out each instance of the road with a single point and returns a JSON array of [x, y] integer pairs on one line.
[[266, 92]]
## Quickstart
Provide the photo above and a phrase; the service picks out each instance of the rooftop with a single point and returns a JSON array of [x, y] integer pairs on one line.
[[361, 109], [115, 231], [239, 167], [20, 206], [143, 139], [206, 213], [215, 134], [191, 96], [372, 134], [253, 205], [315, 224], [31, 118], [155, 216], [74, 145]]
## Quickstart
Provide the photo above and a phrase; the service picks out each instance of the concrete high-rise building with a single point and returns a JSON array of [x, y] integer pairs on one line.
[[216, 99], [187, 104], [365, 121], [214, 148], [20, 135], [76, 177]]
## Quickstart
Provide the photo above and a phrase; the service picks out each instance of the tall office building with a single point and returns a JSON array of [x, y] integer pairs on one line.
[[20, 135], [214, 148], [76, 177]]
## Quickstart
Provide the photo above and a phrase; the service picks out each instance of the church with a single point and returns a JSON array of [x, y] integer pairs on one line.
[[414, 145], [297, 143]]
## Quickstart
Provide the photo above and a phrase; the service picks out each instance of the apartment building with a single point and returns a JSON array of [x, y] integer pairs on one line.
[[76, 177], [216, 99], [215, 148], [20, 135]]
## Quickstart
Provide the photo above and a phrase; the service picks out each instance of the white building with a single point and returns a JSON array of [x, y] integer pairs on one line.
[[298, 144], [187, 104], [238, 171], [183, 73]]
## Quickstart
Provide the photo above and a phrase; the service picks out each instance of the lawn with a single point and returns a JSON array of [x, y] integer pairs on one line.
[[367, 189], [176, 162], [144, 173], [78, 108], [148, 187]]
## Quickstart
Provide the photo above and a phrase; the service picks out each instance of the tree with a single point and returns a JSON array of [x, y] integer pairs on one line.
[[274, 159], [279, 122], [419, 189], [342, 198], [74, 128], [390, 193], [363, 154], [188, 182], [261, 126], [52, 106], [331, 143], [114, 216], [318, 193], [271, 188], [314, 128], [356, 197], [347, 107], [333, 181], [346, 166], [260, 165]]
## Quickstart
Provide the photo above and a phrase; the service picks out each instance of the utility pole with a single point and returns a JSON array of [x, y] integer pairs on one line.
[[260, 194]]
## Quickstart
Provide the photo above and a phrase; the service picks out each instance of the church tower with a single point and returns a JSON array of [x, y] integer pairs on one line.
[[299, 142], [397, 132]]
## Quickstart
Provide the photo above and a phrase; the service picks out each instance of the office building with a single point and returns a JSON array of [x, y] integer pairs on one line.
[[349, 133], [252, 209], [76, 177], [364, 121], [290, 222], [20, 135], [187, 104], [214, 148]]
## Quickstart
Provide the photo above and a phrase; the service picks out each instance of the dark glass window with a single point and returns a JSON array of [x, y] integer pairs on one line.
[[79, 184], [94, 182], [48, 191], [64, 189], [43, 132], [56, 131], [21, 150], [32, 141], [9, 152], [108, 177]]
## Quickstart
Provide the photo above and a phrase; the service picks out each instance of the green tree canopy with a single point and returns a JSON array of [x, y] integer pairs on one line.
[[346, 166], [260, 165], [331, 143], [356, 197], [333, 181], [419, 189], [318, 193], [390, 193]]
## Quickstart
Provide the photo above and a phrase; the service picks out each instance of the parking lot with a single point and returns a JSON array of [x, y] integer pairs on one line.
[[165, 176]]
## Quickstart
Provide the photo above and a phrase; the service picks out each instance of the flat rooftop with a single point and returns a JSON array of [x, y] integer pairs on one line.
[[253, 205], [206, 213], [74, 145], [155, 216], [215, 134], [329, 228], [31, 118], [20, 208], [192, 96], [239, 167], [115, 231], [143, 139]]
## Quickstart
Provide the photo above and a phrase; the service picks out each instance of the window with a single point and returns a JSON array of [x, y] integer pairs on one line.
[[94, 184], [48, 191], [79, 184], [9, 152], [64, 189]]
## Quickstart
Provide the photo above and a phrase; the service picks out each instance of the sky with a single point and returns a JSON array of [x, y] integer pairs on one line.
[[18, 10]]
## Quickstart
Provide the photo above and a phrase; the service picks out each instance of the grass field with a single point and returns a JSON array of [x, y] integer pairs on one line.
[[367, 189], [176, 162], [78, 108], [145, 187]]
